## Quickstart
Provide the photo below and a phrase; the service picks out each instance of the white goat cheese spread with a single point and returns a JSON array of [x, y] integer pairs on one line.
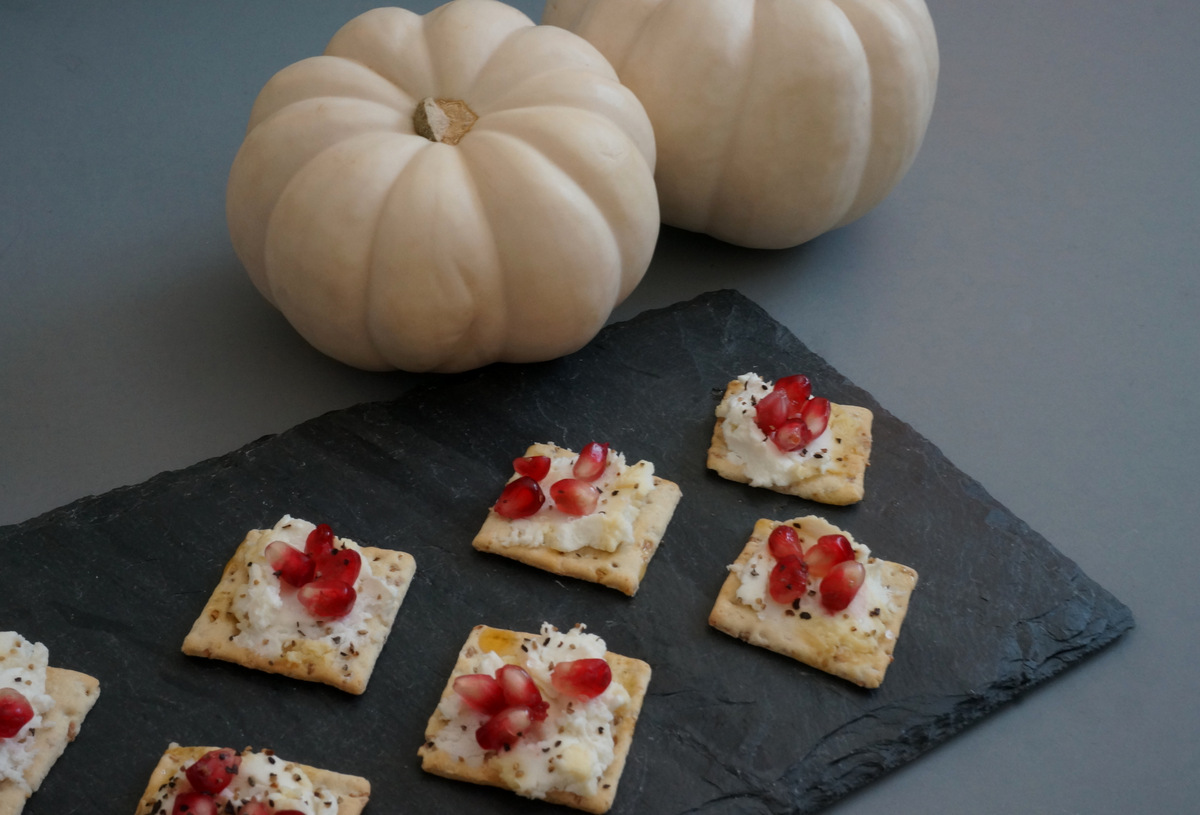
[[623, 488], [23, 669], [262, 777], [271, 620], [764, 463], [571, 749]]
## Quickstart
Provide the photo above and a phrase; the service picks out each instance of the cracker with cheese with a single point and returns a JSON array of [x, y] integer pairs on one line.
[[603, 527], [854, 642], [303, 629], [576, 708]]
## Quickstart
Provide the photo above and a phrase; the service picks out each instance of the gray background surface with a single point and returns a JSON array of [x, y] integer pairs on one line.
[[1027, 298]]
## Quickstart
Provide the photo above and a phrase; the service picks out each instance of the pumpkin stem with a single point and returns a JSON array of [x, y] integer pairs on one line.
[[444, 120]]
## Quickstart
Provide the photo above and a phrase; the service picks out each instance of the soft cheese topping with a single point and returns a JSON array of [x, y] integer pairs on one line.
[[571, 749], [623, 488], [262, 777], [764, 463], [23, 668], [271, 620]]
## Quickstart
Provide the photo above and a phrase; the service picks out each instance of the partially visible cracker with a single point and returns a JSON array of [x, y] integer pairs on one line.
[[836, 479], [347, 669], [633, 674], [855, 648], [621, 569], [74, 694], [352, 792]]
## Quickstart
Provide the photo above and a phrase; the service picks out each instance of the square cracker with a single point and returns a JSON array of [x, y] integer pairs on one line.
[[634, 674], [213, 632], [854, 648], [621, 569], [352, 792], [836, 479], [74, 694]]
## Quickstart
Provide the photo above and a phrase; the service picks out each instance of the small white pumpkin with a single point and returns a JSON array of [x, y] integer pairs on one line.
[[440, 192], [775, 120]]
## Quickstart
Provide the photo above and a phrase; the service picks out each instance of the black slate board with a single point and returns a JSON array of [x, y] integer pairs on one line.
[[112, 584]]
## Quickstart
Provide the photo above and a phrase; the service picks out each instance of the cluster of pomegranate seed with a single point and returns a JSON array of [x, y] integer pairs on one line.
[[208, 777], [323, 573], [512, 702], [15, 712], [830, 560], [523, 496], [790, 415]]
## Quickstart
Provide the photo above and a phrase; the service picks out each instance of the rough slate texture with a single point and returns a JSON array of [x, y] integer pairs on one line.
[[112, 583]]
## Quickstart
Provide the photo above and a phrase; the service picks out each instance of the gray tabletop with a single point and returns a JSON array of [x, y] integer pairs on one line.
[[1027, 298]]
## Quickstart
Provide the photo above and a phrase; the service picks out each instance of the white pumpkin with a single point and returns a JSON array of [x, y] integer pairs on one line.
[[775, 120], [507, 229]]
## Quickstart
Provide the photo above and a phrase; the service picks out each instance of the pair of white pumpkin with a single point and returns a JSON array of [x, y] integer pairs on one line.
[[440, 192]]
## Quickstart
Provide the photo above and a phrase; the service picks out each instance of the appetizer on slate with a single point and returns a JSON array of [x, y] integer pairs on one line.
[[781, 437], [222, 781], [297, 600], [548, 716], [806, 589], [590, 516], [41, 710]]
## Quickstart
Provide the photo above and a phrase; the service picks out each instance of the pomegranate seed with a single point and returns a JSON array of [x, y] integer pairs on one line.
[[503, 729], [521, 691], [320, 541], [575, 497], [797, 387], [788, 581], [815, 414], [340, 564], [535, 467], [213, 771], [194, 803], [257, 807], [15, 712], [792, 435], [784, 541], [581, 678], [327, 599], [520, 498], [772, 411], [827, 552], [291, 565], [841, 584], [481, 692], [593, 458]]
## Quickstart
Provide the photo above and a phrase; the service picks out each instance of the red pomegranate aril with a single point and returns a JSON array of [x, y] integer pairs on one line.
[[792, 435], [575, 497], [535, 467], [581, 679], [327, 599], [815, 414], [521, 691], [319, 541], [520, 498], [784, 541], [481, 693], [213, 771], [593, 458], [797, 387], [827, 552], [291, 565], [15, 712], [841, 584], [340, 564], [194, 803], [256, 807], [788, 580], [772, 411], [503, 729]]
